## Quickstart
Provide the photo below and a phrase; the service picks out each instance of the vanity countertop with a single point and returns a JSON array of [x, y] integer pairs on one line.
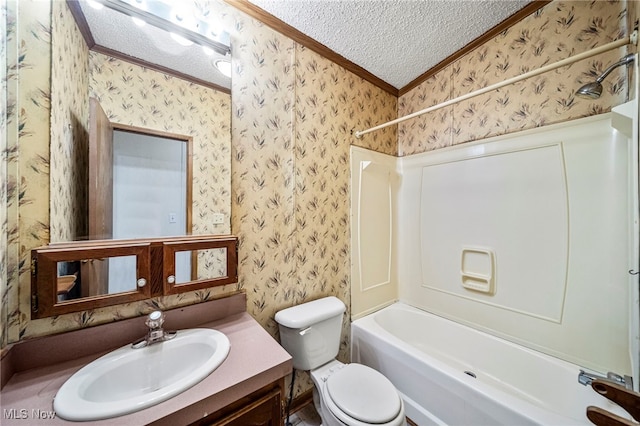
[[254, 361]]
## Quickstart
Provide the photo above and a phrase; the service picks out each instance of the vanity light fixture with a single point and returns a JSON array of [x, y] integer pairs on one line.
[[164, 15], [224, 67]]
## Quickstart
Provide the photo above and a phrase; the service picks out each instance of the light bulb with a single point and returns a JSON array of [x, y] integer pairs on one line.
[[139, 22], [95, 4], [224, 67], [181, 40]]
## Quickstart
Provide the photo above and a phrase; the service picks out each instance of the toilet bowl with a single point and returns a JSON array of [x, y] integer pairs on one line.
[[356, 395], [344, 394]]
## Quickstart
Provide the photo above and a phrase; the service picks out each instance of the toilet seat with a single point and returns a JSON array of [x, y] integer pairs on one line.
[[360, 393]]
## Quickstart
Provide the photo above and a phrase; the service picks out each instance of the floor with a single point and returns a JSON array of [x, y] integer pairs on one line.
[[307, 416]]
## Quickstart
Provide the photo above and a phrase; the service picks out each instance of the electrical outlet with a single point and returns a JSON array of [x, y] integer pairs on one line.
[[218, 218]]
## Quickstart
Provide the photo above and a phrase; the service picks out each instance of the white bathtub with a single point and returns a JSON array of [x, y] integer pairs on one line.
[[426, 356]]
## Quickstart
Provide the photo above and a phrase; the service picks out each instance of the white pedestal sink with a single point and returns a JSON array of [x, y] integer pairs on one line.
[[128, 380]]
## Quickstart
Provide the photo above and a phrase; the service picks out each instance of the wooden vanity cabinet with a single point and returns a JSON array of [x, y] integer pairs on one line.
[[264, 407]]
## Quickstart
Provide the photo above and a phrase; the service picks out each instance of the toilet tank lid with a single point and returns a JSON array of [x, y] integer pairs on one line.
[[306, 314]]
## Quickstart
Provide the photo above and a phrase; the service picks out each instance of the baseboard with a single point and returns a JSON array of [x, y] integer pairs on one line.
[[301, 401]]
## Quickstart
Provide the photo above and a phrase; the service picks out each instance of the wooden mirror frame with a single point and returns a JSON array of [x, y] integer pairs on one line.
[[170, 248], [154, 257], [44, 277]]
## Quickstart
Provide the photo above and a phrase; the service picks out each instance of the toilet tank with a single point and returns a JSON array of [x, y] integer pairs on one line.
[[310, 332]]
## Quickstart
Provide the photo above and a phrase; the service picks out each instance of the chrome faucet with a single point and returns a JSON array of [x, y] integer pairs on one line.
[[585, 378], [156, 333]]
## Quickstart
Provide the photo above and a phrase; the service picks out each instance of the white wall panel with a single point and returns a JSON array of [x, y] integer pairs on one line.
[[554, 207], [505, 216], [374, 185]]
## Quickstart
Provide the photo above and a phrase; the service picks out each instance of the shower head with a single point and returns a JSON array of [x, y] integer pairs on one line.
[[593, 90]]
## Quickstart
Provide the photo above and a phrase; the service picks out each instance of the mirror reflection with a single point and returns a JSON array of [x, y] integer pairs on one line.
[[205, 264], [150, 188], [140, 183], [140, 142], [96, 277], [70, 277], [139, 92], [117, 274]]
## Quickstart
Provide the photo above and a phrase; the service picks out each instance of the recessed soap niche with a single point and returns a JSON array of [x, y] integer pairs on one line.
[[477, 270]]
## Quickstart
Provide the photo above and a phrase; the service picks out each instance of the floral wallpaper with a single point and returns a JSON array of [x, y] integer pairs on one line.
[[292, 113], [3, 173], [69, 128], [557, 31], [27, 152], [633, 20]]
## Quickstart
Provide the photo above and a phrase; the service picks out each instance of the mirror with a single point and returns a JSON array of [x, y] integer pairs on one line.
[[140, 149], [210, 263], [147, 84], [91, 277], [139, 180]]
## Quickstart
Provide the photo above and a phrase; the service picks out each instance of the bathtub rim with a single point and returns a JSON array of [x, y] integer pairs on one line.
[[369, 327]]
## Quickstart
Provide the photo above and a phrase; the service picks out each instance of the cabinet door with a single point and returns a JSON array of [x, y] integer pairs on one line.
[[48, 279], [198, 263], [265, 411]]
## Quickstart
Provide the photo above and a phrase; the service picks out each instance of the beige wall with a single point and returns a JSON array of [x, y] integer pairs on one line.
[[28, 115], [4, 182], [69, 128], [633, 20], [292, 114]]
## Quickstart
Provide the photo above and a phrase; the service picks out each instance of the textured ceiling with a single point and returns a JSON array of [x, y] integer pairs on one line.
[[395, 40]]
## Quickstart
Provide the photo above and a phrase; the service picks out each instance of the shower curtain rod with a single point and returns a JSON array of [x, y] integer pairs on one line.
[[632, 39]]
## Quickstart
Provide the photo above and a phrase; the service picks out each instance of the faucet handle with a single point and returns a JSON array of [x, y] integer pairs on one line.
[[625, 398], [601, 417], [155, 319]]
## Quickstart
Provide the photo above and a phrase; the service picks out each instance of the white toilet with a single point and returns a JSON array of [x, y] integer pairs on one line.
[[344, 394]]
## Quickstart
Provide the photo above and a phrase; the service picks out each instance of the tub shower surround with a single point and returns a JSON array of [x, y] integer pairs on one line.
[[505, 305]]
